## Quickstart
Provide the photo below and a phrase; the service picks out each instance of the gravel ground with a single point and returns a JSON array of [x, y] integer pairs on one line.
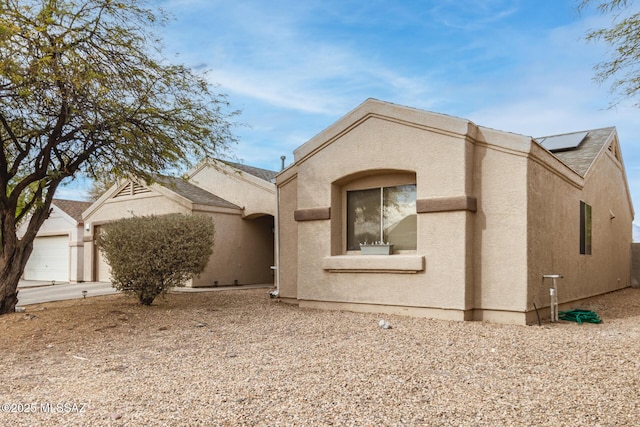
[[239, 358]]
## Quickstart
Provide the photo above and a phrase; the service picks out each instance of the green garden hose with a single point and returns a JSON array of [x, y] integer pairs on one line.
[[580, 316]]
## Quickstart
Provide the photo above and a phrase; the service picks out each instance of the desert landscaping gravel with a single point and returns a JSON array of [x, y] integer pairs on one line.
[[240, 358]]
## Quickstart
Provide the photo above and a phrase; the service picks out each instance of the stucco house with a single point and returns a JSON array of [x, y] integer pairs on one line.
[[477, 217], [239, 198], [58, 247]]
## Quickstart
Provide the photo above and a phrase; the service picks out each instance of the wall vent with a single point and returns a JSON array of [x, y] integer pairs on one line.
[[132, 189]]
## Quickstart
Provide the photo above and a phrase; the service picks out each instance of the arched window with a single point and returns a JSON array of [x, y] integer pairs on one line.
[[375, 206], [384, 214]]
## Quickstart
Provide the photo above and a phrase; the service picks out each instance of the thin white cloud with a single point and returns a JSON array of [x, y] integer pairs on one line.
[[273, 56], [472, 15], [294, 67]]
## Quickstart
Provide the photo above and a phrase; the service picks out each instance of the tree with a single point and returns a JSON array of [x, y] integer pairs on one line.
[[84, 89], [151, 254], [623, 37], [100, 185]]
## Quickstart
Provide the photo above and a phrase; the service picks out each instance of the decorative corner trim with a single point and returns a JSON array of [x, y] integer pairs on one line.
[[447, 204], [313, 214]]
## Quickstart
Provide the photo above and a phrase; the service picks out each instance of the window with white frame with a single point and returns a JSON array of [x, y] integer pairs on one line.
[[383, 214]]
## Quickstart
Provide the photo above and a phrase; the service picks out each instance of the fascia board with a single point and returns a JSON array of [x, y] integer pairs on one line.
[[545, 158], [237, 174], [374, 108], [602, 156], [66, 216], [106, 196]]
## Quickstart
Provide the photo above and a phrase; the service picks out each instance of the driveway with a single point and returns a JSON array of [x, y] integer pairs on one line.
[[32, 292]]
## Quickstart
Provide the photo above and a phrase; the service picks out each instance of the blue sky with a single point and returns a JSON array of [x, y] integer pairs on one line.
[[294, 67]]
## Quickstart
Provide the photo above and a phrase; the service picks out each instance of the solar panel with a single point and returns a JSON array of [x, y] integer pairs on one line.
[[562, 142]]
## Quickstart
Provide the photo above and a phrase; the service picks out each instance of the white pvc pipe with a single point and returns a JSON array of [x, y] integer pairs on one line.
[[276, 230]]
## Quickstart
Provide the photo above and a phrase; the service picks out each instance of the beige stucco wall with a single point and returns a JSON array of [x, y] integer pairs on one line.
[[554, 194], [484, 261], [243, 251], [255, 195], [288, 234], [243, 248], [440, 155], [499, 250], [609, 267], [554, 229]]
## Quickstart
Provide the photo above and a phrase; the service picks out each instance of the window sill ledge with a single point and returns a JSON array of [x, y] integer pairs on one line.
[[373, 263]]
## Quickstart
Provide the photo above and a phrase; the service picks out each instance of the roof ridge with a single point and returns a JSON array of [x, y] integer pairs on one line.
[[264, 174], [571, 133]]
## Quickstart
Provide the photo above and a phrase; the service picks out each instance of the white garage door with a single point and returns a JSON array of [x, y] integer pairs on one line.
[[49, 259]]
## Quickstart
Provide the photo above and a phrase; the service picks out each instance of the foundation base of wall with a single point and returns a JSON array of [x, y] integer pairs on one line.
[[481, 315], [493, 316], [433, 313], [500, 316]]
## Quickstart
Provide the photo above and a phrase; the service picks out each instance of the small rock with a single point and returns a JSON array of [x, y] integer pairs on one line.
[[200, 325], [20, 309], [384, 324], [115, 416]]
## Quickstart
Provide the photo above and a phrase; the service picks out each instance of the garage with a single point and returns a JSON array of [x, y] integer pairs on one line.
[[49, 259]]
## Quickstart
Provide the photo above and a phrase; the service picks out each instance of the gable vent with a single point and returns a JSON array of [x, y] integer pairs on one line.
[[615, 150], [132, 189], [139, 189]]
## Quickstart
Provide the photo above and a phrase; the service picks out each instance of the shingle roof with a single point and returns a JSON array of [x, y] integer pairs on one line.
[[580, 158], [73, 208], [194, 193], [264, 174]]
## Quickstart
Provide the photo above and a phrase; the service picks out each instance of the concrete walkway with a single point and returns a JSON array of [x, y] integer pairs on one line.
[[35, 292], [32, 292]]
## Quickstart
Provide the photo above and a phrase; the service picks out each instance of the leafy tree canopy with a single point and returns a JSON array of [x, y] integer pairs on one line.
[[84, 88], [623, 38]]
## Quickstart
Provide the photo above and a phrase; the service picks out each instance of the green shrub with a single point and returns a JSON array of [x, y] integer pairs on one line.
[[151, 254]]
